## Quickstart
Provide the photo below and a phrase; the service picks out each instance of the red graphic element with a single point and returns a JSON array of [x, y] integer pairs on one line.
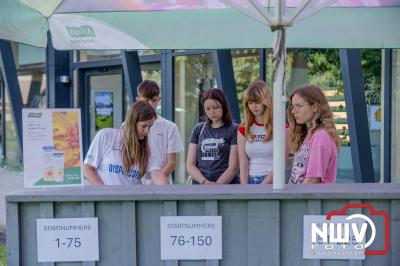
[[372, 212]]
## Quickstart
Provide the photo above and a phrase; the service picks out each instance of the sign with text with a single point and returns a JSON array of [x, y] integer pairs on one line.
[[67, 239], [191, 237], [52, 144], [338, 238]]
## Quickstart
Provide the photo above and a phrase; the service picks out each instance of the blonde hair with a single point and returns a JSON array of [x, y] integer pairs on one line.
[[134, 150], [258, 92], [323, 118]]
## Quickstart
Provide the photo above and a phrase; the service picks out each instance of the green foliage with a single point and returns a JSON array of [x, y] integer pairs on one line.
[[246, 68], [3, 255], [11, 165], [325, 63]]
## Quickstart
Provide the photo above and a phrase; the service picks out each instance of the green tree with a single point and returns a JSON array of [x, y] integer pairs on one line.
[[326, 63]]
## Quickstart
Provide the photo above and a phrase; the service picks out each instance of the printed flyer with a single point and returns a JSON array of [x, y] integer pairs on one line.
[[52, 144]]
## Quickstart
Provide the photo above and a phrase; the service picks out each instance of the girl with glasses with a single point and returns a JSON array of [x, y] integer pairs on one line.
[[313, 138]]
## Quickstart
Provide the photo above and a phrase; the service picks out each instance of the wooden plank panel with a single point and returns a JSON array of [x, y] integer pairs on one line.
[[276, 232], [129, 233], [87, 210], [191, 208], [73, 210], [211, 209], [148, 232], [395, 232], [170, 209], [263, 232], [47, 211], [314, 208], [29, 212], [354, 211], [234, 232], [13, 234], [110, 233], [292, 213], [379, 242], [327, 206]]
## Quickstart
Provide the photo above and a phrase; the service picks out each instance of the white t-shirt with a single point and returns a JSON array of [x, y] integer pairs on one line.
[[163, 138], [258, 152], [105, 156]]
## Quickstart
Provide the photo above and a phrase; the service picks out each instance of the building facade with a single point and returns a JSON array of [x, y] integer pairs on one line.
[[103, 85]]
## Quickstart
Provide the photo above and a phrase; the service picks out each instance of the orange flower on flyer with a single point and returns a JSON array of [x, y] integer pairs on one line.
[[66, 137]]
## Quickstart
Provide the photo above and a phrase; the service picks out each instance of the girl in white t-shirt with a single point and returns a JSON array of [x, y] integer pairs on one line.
[[254, 137], [120, 156]]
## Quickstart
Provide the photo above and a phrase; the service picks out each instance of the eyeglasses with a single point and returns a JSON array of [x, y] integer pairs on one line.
[[296, 107]]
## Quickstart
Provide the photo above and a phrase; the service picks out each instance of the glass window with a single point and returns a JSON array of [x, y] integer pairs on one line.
[[151, 72], [92, 55], [246, 68], [322, 68], [33, 89], [193, 75], [29, 55], [12, 154], [395, 115], [148, 52]]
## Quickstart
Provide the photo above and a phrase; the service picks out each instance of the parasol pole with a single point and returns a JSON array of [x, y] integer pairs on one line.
[[279, 97]]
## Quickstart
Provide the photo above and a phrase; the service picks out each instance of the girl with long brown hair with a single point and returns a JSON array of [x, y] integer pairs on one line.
[[255, 135], [120, 156], [313, 137]]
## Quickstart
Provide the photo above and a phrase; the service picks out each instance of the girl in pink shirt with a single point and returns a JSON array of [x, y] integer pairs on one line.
[[313, 138]]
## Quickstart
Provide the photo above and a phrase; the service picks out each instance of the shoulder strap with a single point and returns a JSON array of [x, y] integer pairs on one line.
[[202, 129]]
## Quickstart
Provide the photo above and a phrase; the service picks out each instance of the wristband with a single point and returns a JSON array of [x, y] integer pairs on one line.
[[204, 181]]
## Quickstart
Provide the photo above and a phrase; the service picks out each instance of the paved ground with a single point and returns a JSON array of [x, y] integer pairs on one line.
[[9, 181]]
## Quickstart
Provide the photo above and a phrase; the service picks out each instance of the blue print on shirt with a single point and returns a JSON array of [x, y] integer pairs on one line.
[[118, 169]]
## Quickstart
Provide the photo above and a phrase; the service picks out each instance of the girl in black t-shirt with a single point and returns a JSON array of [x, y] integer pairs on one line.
[[212, 154]]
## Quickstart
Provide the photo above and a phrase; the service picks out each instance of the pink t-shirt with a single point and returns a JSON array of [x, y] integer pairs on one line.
[[317, 157]]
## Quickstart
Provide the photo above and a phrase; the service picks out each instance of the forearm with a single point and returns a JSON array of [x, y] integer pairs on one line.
[[195, 173], [168, 168], [312, 180], [158, 178], [227, 176], [268, 179], [244, 174], [92, 176]]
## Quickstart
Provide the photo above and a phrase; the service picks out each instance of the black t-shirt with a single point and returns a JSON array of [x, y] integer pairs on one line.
[[213, 148]]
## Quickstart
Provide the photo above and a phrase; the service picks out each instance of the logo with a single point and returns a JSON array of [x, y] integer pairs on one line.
[[34, 115], [360, 234], [340, 235], [81, 32]]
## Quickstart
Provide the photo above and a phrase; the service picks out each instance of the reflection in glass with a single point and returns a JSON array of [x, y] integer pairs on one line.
[[246, 68], [151, 72], [12, 151], [92, 55], [395, 176], [193, 75]]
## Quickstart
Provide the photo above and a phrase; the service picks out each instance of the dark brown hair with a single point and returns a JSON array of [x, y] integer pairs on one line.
[[217, 95], [148, 89]]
